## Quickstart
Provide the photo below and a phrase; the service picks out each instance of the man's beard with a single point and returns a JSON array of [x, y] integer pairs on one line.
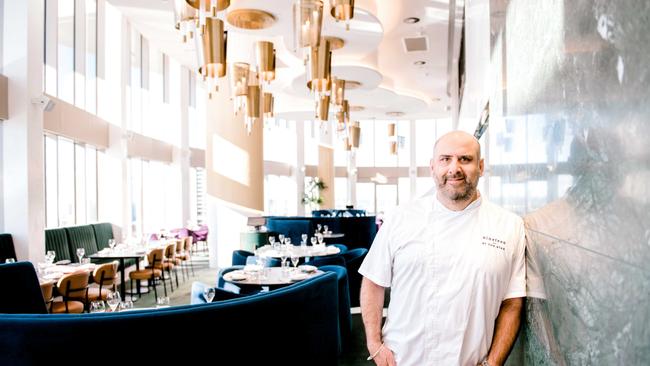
[[466, 192]]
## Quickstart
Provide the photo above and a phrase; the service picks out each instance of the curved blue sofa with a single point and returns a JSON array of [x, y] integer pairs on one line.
[[249, 330], [359, 231]]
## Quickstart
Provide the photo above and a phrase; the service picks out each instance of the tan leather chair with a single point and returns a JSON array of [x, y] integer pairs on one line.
[[187, 254], [47, 288], [151, 272], [73, 288], [170, 262], [105, 276]]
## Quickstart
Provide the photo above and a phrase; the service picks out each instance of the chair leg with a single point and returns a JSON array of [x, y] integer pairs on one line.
[[155, 288]]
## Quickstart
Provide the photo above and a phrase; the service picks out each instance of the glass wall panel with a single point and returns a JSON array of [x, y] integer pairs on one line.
[[340, 192], [91, 56], [425, 138], [403, 131], [366, 197], [386, 198], [80, 183], [51, 182], [280, 141], [91, 184], [311, 142], [65, 55], [66, 182]]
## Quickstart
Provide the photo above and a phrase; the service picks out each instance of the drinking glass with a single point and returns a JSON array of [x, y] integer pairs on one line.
[[126, 305], [208, 293], [97, 307], [320, 239], [304, 238], [283, 258], [325, 229], [271, 240], [111, 243], [80, 253], [295, 258], [313, 240], [10, 260], [287, 240], [49, 256], [162, 302], [318, 227], [113, 300], [281, 237]]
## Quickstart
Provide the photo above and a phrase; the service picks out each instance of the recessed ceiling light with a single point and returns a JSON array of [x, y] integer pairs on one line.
[[395, 114], [411, 20], [419, 63]]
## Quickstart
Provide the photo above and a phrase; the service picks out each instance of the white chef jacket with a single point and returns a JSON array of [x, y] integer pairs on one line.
[[448, 272]]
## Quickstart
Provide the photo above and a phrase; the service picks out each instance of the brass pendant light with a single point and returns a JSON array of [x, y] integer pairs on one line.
[[253, 110], [209, 7], [268, 102], [250, 19], [239, 74], [185, 18], [265, 60], [392, 138], [308, 17], [211, 48], [323, 108], [343, 10], [338, 91], [320, 69], [355, 133]]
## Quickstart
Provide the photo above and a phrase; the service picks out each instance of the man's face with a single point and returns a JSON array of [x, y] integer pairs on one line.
[[456, 167]]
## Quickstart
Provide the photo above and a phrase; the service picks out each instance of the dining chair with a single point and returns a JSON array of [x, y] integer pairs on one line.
[[47, 289], [353, 259], [21, 292], [73, 288], [152, 272], [105, 276]]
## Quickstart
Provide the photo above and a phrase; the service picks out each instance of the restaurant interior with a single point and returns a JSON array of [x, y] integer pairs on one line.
[[217, 170]]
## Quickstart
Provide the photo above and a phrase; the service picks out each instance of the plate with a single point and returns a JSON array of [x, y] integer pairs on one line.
[[307, 268], [235, 276], [332, 250], [298, 276], [252, 268]]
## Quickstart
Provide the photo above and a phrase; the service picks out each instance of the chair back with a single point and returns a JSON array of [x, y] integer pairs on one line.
[[73, 285], [180, 245], [345, 317], [170, 251], [188, 244], [21, 292], [47, 289], [7, 249], [239, 257], [105, 274], [353, 260], [330, 260], [155, 258]]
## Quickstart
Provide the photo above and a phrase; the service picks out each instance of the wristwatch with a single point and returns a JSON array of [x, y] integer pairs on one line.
[[485, 363]]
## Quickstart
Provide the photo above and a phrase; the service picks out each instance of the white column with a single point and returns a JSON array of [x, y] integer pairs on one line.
[[299, 170], [352, 178], [125, 97], [183, 156], [22, 134]]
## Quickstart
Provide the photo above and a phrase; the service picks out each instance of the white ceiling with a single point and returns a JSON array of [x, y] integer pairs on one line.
[[374, 53]]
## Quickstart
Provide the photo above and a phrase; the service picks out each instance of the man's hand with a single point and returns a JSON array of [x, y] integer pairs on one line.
[[385, 356]]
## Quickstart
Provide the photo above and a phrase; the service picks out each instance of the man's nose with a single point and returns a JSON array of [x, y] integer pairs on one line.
[[454, 167]]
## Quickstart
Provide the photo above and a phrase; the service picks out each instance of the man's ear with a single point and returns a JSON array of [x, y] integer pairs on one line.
[[481, 165], [431, 167]]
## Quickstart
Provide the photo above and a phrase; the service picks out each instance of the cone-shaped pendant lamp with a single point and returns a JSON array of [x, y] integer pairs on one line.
[[211, 47], [265, 60]]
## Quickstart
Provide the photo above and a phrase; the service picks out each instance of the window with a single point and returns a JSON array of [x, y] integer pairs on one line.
[[65, 54], [70, 182], [51, 182], [197, 195]]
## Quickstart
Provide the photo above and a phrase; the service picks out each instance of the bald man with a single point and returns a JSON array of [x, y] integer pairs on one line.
[[455, 265]]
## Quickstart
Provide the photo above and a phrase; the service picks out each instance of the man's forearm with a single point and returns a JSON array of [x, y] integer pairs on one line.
[[372, 305], [505, 331]]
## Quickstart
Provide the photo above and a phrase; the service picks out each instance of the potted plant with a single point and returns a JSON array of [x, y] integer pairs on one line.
[[312, 197]]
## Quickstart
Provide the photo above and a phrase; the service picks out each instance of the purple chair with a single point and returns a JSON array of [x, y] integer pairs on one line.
[[200, 235], [180, 233]]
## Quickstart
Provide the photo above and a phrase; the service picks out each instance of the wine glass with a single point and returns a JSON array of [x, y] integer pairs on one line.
[[80, 253], [111, 243], [49, 256], [287, 240], [318, 228], [209, 293], [325, 229], [113, 299], [313, 240], [97, 307], [295, 258], [283, 258], [304, 238], [126, 305], [281, 237], [271, 240], [320, 239]]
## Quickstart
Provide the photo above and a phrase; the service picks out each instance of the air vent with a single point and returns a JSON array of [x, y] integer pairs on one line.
[[416, 44]]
